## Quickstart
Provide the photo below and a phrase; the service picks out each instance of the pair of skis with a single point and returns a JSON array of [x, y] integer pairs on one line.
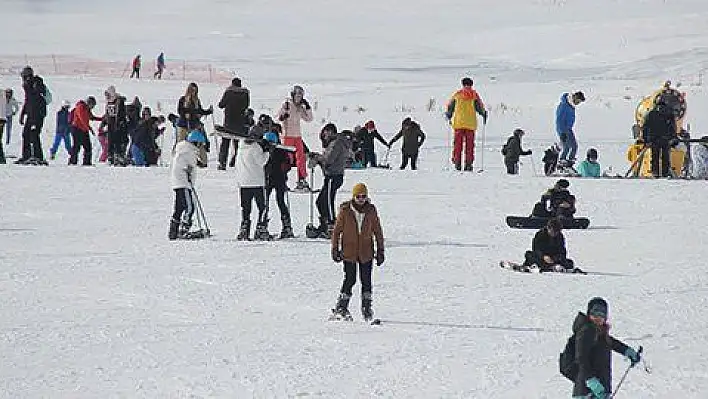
[[348, 317], [234, 135]]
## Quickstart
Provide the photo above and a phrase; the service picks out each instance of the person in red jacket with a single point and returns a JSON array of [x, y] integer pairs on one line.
[[136, 67], [80, 119]]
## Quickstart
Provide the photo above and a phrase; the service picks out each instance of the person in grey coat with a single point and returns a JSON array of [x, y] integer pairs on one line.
[[413, 138], [332, 161]]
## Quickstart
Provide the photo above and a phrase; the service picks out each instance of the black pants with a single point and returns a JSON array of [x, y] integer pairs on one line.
[[512, 168], [136, 73], [413, 158], [248, 194], [660, 154], [369, 157], [2, 151], [224, 148], [184, 206], [80, 139], [31, 143], [325, 200], [117, 141], [531, 258], [350, 277], [280, 194]]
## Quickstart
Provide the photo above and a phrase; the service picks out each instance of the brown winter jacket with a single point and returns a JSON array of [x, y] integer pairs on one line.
[[357, 244]]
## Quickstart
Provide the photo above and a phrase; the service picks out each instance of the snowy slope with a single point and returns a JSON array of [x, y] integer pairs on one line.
[[99, 304]]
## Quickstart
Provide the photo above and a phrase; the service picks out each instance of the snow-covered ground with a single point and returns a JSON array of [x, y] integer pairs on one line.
[[97, 302]]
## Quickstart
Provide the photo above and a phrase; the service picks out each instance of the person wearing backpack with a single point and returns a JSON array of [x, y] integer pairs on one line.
[[512, 152], [587, 357]]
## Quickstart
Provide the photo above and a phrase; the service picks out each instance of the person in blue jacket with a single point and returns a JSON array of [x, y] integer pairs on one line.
[[62, 132], [565, 119], [590, 167]]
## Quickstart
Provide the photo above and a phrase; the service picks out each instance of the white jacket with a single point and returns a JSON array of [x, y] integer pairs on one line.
[[3, 106], [250, 164], [12, 107], [184, 165]]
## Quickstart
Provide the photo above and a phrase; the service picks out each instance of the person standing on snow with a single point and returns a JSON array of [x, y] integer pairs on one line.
[[512, 152], [136, 67], [565, 120], [293, 110], [590, 167], [116, 119], [235, 102], [34, 110], [81, 116], [3, 120], [593, 351], [365, 136], [10, 111], [659, 131], [62, 131], [190, 111], [251, 159], [277, 176], [182, 177], [357, 227], [462, 110], [160, 65], [413, 139]]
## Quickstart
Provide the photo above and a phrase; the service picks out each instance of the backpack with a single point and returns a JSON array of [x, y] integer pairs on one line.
[[47, 95], [505, 147], [566, 361]]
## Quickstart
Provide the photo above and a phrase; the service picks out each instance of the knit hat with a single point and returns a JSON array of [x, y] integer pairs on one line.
[[370, 125], [598, 307], [359, 189]]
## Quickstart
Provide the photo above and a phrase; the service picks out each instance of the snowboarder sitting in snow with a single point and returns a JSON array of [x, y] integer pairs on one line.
[[512, 152], [353, 242], [548, 252], [556, 202], [182, 176], [590, 167], [413, 138], [592, 354], [251, 159]]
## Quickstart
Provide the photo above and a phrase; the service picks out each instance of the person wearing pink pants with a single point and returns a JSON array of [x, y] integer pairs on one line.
[[103, 139], [293, 110]]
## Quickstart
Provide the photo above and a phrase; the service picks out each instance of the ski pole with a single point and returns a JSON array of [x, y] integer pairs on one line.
[[201, 211], [481, 154], [619, 385]]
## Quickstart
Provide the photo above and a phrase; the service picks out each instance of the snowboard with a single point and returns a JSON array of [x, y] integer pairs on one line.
[[230, 134], [535, 222], [518, 267]]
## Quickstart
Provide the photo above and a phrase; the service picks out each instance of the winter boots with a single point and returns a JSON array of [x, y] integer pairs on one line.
[[325, 229], [302, 185], [468, 167], [261, 233], [287, 231], [341, 310], [174, 229], [245, 232], [366, 311]]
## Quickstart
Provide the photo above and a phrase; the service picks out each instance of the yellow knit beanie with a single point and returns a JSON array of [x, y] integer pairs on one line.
[[359, 189]]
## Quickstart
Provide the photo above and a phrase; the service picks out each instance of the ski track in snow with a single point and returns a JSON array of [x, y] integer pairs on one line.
[[97, 302]]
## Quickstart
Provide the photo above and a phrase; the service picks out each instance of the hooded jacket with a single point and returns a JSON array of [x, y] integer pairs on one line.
[[463, 108], [35, 106], [592, 352], [565, 115], [334, 157], [250, 164], [413, 138], [184, 165], [513, 149], [357, 241], [235, 101]]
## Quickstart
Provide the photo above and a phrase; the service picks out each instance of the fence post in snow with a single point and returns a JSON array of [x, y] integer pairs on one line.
[[210, 74], [184, 69], [54, 60]]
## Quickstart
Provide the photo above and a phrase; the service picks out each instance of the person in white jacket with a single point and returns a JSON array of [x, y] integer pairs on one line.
[[182, 177], [12, 108], [251, 159], [3, 121]]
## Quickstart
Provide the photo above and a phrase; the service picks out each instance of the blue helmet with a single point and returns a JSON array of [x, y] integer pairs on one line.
[[271, 137], [195, 136]]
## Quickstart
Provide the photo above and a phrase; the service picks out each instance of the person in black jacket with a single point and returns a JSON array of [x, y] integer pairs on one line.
[[365, 138], [413, 138], [659, 131], [144, 150], [32, 115], [276, 171], [593, 346], [190, 111], [235, 102], [116, 120], [548, 251], [556, 202], [512, 152]]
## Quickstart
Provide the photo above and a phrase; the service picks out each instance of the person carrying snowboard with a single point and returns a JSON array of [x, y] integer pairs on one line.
[[512, 152], [556, 202], [413, 138], [357, 227], [590, 167], [548, 252], [251, 158], [593, 352], [182, 177]]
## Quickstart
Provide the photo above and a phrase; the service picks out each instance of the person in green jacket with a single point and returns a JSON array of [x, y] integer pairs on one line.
[[590, 167]]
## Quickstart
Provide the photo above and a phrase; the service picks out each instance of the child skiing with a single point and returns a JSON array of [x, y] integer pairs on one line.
[[357, 227], [182, 177], [512, 151], [276, 179], [251, 159], [590, 167], [592, 354], [62, 131]]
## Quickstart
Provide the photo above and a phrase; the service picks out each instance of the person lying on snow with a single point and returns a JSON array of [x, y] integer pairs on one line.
[[548, 252], [557, 202]]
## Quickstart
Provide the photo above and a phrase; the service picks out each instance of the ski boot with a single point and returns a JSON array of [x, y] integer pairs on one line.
[[184, 228], [287, 231], [174, 229], [261, 233], [366, 312], [245, 232], [468, 167], [302, 185], [341, 311], [458, 166]]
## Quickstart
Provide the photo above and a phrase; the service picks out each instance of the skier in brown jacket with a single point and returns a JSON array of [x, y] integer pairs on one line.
[[353, 237]]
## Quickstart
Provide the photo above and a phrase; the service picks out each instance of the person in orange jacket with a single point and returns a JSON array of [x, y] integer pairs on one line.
[[462, 110]]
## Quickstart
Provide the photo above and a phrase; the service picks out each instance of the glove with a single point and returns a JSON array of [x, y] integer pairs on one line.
[[337, 255], [563, 137], [633, 356], [380, 258], [284, 117], [596, 387], [305, 104], [529, 152]]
